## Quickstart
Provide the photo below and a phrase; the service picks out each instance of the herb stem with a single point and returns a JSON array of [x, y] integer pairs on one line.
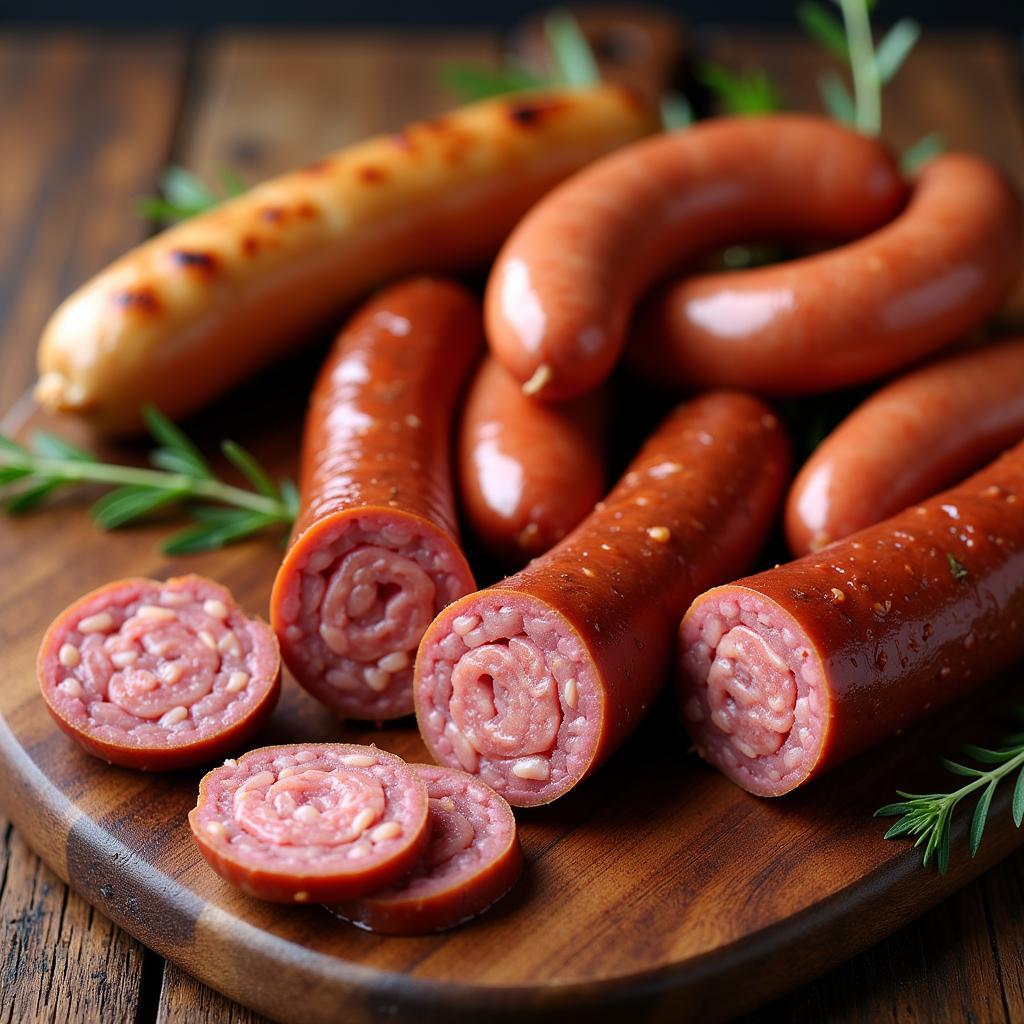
[[867, 82]]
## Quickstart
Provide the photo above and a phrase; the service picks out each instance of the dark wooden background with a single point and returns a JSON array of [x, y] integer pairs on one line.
[[86, 123]]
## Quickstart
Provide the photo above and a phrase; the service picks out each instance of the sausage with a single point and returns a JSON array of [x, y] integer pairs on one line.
[[787, 673], [912, 438], [311, 822], [374, 554], [936, 272], [188, 314], [159, 676], [530, 684], [565, 283], [528, 472], [472, 859]]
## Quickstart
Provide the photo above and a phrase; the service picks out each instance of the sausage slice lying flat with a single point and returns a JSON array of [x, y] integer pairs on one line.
[[374, 555], [565, 283], [472, 859], [530, 684], [159, 676], [791, 671], [938, 270], [311, 822], [919, 434]]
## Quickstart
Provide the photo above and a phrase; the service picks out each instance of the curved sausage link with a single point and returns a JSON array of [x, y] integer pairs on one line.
[[187, 315], [530, 684], [787, 673], [919, 283], [529, 473], [564, 286], [915, 436], [374, 554]]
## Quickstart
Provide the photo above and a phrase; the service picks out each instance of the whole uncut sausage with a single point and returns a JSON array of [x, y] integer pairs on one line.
[[565, 283], [159, 676], [311, 822], [528, 472], [374, 554], [936, 272], [787, 673], [915, 436], [472, 859], [530, 684], [185, 316]]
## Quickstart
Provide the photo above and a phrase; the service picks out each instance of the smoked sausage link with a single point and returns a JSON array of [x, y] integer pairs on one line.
[[374, 554], [921, 282], [472, 859], [787, 673], [530, 684], [528, 472], [159, 676], [205, 304], [921, 433], [565, 283], [311, 822]]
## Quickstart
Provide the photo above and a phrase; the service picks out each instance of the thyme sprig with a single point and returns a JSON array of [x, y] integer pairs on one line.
[[181, 475]]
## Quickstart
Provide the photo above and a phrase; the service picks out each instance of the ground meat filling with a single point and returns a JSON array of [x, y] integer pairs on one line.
[[160, 665], [508, 692], [363, 593], [752, 691]]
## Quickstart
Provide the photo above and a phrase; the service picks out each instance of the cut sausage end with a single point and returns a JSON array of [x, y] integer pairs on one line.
[[351, 603], [506, 689], [752, 690], [141, 673], [472, 859]]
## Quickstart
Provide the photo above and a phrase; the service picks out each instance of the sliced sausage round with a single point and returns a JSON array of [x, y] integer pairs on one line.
[[159, 675], [472, 859], [311, 822], [374, 555], [530, 684]]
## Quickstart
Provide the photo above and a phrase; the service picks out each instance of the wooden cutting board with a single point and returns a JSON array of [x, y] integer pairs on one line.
[[657, 889]]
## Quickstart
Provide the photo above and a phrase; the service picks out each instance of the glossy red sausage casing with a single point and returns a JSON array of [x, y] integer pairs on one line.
[[919, 434], [936, 272], [530, 684], [528, 472], [564, 286], [787, 673], [159, 675], [374, 555]]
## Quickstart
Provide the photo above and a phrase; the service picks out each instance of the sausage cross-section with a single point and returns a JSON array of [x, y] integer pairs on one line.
[[788, 672], [311, 822], [157, 675], [532, 683], [374, 555], [472, 859]]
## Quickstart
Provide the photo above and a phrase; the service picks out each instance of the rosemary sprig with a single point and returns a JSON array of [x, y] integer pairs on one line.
[[745, 93], [181, 475], [183, 195], [929, 816]]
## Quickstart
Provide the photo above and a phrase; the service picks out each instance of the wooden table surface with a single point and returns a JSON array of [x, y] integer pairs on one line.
[[88, 121]]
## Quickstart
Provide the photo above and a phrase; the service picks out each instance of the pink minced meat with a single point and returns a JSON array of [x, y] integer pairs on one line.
[[752, 690], [506, 690], [142, 666], [359, 593]]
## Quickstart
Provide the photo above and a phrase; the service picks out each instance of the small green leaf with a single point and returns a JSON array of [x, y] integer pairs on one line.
[[185, 190], [921, 152], [290, 497], [156, 209], [961, 769], [471, 83], [892, 51], [900, 828], [171, 436], [9, 474], [676, 112], [986, 756], [207, 537], [891, 810], [244, 462], [28, 499], [570, 52], [944, 844], [127, 503], [981, 815], [1018, 799], [744, 94], [52, 447], [174, 461], [824, 26], [837, 99], [956, 570]]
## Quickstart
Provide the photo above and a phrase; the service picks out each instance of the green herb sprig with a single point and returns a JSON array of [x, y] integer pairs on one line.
[[929, 816], [745, 93], [183, 195], [181, 475]]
